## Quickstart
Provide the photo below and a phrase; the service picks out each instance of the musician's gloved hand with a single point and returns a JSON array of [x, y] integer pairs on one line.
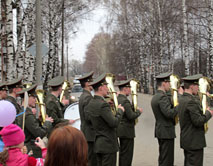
[[121, 107], [71, 121]]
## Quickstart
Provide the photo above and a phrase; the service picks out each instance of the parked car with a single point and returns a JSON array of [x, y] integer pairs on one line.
[[76, 91]]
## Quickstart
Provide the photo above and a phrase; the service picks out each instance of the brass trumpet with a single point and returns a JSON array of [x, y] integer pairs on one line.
[[40, 102], [110, 79]]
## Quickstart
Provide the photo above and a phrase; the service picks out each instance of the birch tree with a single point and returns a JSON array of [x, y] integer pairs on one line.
[[9, 32]]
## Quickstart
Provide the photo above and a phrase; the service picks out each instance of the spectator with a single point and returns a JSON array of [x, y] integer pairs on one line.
[[14, 151], [66, 146]]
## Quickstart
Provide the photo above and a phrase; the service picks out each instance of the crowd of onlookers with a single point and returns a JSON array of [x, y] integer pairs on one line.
[[66, 146]]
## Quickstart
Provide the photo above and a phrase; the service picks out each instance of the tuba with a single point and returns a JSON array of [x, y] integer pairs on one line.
[[203, 88], [134, 85], [64, 87], [174, 83], [41, 105], [112, 93]]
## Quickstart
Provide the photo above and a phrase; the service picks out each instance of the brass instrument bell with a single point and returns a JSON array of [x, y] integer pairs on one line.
[[110, 79], [40, 102]]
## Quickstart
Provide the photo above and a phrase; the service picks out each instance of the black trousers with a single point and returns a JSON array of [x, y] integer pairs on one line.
[[92, 158], [166, 152], [126, 151], [106, 159], [193, 157]]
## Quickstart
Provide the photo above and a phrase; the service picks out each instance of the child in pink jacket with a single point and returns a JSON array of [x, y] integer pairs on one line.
[[13, 138]]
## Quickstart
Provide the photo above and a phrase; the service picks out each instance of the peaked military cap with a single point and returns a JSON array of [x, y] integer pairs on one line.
[[87, 77], [193, 79], [125, 83], [56, 81], [101, 80], [15, 83], [3, 86], [30, 91], [164, 76]]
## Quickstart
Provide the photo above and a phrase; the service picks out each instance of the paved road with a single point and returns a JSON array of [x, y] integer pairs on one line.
[[146, 146]]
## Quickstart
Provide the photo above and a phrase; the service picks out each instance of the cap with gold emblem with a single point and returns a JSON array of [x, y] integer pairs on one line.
[[3, 86], [16, 83], [57, 81], [30, 91], [99, 81], [87, 77], [164, 77], [125, 83], [193, 79]]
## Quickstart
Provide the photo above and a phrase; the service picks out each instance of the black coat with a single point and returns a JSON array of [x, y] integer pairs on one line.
[[164, 116], [192, 120]]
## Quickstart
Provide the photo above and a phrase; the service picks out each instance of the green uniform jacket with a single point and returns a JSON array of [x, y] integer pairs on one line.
[[126, 128], [34, 129], [17, 106], [86, 125], [192, 120], [55, 109], [164, 115], [104, 123]]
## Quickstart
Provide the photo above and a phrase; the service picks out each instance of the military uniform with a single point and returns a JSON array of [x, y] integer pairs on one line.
[[11, 85], [126, 128], [86, 125], [33, 127], [54, 107], [192, 120], [164, 125], [104, 124]]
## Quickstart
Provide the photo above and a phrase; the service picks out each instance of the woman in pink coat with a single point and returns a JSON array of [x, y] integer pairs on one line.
[[13, 138]]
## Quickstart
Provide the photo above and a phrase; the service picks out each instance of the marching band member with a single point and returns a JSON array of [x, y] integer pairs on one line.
[[33, 127], [104, 123], [54, 107], [165, 114], [192, 120], [86, 126], [14, 87], [3, 91], [126, 128]]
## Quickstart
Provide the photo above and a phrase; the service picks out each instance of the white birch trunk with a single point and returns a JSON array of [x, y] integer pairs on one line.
[[9, 31], [210, 58], [185, 38], [160, 37], [20, 40], [30, 39]]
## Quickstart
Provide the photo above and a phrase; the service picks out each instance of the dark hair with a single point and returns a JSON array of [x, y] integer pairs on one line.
[[55, 88], [83, 84], [159, 82], [67, 146], [187, 85]]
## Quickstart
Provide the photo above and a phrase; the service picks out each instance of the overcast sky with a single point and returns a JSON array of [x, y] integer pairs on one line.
[[87, 30]]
